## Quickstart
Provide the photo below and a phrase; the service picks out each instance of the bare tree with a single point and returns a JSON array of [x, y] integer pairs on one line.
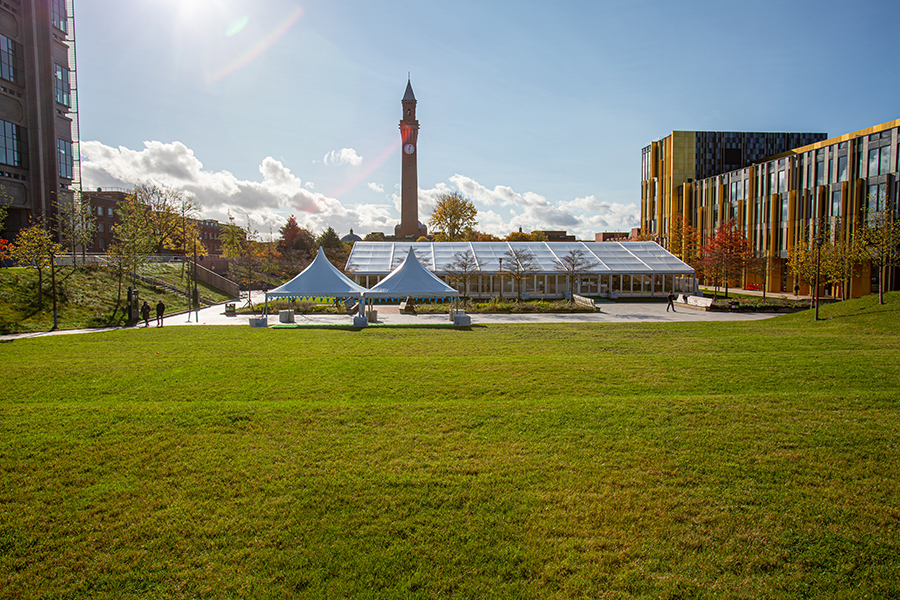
[[75, 223], [461, 269], [520, 264], [574, 264]]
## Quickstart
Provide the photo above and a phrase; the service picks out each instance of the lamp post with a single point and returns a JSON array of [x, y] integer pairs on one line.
[[196, 297], [818, 242], [501, 277]]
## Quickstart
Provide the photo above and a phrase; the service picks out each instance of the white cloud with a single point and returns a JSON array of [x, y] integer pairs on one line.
[[344, 156], [581, 216], [267, 203], [280, 193]]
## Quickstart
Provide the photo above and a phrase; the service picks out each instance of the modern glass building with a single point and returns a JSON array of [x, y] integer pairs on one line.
[[627, 269], [776, 200]]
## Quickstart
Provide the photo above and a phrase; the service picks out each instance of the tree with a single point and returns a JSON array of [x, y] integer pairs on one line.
[[846, 257], [520, 236], [133, 238], [804, 262], [295, 241], [461, 269], [4, 244], [822, 258], [169, 209], [334, 248], [453, 217], [34, 247], [76, 223], [295, 247], [758, 264], [683, 239], [244, 265], [232, 238], [878, 243], [479, 236], [724, 257], [375, 236], [574, 264], [520, 264]]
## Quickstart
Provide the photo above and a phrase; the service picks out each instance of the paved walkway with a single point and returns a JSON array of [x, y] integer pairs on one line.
[[623, 312]]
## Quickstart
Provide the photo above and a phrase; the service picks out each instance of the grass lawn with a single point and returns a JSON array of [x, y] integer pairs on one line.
[[716, 460], [87, 297]]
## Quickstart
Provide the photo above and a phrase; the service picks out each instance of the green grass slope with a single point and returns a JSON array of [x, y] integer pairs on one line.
[[87, 297], [716, 460]]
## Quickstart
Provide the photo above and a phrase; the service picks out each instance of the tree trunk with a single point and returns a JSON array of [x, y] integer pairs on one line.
[[40, 290], [53, 286], [881, 284]]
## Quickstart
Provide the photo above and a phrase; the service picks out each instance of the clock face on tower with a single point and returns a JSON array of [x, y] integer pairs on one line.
[[409, 148]]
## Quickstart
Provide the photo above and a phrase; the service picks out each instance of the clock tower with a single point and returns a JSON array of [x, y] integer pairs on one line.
[[409, 181]]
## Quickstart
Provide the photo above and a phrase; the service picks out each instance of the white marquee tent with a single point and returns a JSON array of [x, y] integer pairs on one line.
[[411, 279], [319, 280]]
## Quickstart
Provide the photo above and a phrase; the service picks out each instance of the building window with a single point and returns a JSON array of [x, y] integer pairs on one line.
[[58, 14], [13, 150], [820, 172], [842, 168], [10, 60], [63, 87], [884, 166], [876, 200], [836, 203], [99, 227], [65, 159], [781, 187], [874, 153]]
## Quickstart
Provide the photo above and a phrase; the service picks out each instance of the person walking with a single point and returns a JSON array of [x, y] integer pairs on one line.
[[670, 302], [160, 309], [145, 314]]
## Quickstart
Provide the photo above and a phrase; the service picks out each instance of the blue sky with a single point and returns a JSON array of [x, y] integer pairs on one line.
[[537, 111]]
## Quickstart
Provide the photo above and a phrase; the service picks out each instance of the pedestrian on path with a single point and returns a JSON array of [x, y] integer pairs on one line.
[[145, 314], [796, 289], [671, 302], [160, 309]]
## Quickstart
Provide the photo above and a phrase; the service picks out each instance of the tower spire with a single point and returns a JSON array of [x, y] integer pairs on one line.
[[409, 195]]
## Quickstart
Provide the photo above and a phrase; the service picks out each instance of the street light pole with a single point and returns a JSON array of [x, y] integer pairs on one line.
[[501, 277], [818, 259], [196, 297]]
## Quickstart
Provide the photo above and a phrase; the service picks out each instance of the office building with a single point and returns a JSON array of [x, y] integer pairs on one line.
[[803, 182], [39, 165]]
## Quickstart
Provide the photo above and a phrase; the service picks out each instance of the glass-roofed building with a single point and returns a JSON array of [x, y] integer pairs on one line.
[[626, 269]]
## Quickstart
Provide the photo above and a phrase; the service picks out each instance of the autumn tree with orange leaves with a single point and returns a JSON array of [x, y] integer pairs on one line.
[[725, 256]]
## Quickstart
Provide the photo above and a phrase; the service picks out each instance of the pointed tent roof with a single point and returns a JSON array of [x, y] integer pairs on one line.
[[411, 279], [319, 279], [409, 93]]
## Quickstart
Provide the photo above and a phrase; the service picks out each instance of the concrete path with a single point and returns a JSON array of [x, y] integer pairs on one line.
[[624, 312]]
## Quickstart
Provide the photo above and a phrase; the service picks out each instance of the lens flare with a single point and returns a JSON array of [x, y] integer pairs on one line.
[[237, 26], [257, 49]]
